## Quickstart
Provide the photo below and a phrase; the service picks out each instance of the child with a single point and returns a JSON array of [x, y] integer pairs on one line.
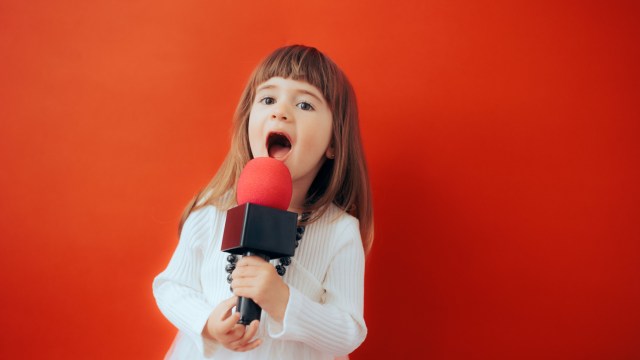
[[299, 108]]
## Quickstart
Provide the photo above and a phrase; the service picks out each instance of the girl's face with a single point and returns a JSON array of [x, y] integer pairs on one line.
[[291, 121]]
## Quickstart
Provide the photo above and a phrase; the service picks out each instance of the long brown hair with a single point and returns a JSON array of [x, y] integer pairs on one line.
[[343, 181]]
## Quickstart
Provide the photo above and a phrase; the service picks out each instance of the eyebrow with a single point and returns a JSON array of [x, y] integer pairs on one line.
[[303, 91]]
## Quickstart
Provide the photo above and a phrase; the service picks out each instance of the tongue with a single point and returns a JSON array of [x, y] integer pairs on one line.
[[278, 151]]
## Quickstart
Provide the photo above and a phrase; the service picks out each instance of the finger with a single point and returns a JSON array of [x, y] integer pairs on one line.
[[228, 323], [243, 271], [242, 337], [236, 333], [249, 333], [245, 343], [250, 346], [242, 283], [240, 272], [253, 271], [252, 330], [245, 291], [251, 260], [227, 305], [232, 335]]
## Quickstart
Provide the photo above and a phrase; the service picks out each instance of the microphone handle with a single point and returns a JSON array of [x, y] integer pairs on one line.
[[247, 308]]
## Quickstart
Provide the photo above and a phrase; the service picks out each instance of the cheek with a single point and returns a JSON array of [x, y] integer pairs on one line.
[[326, 134], [318, 141], [254, 134]]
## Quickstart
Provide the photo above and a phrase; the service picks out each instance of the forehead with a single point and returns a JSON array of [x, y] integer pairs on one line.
[[288, 84]]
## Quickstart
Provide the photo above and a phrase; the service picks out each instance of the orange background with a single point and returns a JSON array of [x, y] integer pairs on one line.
[[502, 140]]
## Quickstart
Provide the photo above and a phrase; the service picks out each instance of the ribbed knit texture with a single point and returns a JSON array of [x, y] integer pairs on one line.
[[323, 318]]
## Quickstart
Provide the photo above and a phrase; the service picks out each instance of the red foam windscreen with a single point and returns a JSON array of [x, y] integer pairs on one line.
[[265, 181]]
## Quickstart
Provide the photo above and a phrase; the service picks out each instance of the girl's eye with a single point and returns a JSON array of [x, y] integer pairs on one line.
[[267, 100], [305, 106]]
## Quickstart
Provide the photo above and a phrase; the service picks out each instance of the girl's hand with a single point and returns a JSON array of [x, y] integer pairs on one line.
[[257, 279], [223, 327]]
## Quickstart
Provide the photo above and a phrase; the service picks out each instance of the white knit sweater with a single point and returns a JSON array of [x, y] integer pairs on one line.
[[323, 318]]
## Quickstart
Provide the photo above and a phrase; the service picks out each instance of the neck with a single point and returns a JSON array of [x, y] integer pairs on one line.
[[299, 194], [297, 199], [301, 188]]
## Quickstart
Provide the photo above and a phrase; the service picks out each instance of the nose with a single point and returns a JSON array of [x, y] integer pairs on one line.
[[279, 112]]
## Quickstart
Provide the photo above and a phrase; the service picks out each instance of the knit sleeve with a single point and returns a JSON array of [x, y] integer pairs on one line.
[[335, 326], [178, 290]]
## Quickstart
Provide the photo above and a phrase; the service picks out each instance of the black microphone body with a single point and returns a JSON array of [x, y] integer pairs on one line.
[[252, 229]]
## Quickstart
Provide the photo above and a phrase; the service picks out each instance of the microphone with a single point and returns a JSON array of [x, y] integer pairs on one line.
[[260, 225]]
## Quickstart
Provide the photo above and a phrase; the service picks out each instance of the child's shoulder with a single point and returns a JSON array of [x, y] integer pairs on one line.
[[340, 223], [339, 217], [202, 219]]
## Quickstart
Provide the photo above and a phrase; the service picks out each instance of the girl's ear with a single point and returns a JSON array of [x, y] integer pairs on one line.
[[330, 153]]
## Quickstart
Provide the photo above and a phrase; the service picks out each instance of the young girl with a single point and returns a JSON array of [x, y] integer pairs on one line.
[[299, 108]]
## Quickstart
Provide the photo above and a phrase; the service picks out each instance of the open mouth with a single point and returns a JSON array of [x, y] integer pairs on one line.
[[278, 145]]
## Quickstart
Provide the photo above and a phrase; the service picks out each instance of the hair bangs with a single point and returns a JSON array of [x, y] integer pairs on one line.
[[299, 63]]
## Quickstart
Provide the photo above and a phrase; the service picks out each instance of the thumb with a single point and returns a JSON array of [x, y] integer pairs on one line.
[[226, 307]]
